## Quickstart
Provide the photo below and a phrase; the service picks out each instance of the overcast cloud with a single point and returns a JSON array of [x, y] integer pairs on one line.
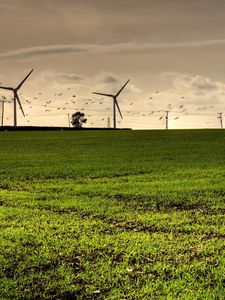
[[171, 46]]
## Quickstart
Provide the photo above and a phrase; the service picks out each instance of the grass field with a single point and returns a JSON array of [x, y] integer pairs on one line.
[[112, 215]]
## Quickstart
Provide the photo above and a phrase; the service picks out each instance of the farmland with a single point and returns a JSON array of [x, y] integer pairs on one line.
[[112, 214]]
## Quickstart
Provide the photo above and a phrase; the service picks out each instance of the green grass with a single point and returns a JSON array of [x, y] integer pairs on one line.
[[112, 215]]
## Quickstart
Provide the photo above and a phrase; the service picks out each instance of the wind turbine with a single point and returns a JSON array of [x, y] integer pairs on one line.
[[115, 103], [16, 97]]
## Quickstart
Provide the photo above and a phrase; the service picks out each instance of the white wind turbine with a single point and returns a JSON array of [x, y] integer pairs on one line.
[[115, 103], [16, 97]]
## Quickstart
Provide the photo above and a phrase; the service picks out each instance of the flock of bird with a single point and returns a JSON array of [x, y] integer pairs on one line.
[[72, 105], [89, 106]]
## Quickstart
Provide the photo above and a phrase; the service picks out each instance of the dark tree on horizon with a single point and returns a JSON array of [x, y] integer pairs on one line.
[[78, 119]]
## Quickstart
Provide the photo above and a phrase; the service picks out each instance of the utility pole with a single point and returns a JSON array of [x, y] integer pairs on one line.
[[108, 122], [3, 106], [167, 115], [3, 109], [221, 120], [68, 119]]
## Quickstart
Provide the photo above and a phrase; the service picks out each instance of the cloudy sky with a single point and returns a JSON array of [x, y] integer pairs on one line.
[[173, 51]]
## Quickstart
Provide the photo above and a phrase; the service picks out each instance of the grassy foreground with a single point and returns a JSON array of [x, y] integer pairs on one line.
[[112, 215]]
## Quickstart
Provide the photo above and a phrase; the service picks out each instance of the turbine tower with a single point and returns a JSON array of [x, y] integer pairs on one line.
[[115, 103], [16, 97]]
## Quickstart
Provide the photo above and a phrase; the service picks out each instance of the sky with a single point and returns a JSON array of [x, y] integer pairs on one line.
[[171, 50]]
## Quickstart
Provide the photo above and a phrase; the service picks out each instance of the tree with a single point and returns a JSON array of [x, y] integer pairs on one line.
[[78, 119]]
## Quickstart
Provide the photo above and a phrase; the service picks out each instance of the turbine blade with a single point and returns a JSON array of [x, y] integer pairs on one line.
[[17, 98], [22, 82], [122, 88], [117, 105], [6, 88], [107, 95]]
